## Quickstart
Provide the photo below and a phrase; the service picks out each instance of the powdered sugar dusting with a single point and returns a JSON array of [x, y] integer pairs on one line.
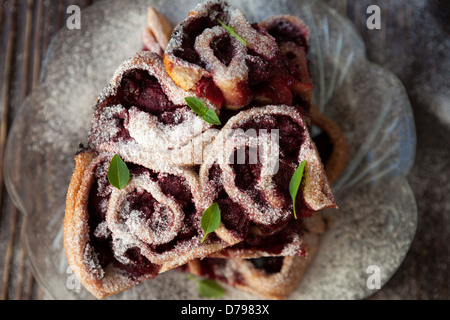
[[236, 71], [275, 208], [231, 78], [263, 44], [153, 64], [90, 257], [146, 130], [140, 137]]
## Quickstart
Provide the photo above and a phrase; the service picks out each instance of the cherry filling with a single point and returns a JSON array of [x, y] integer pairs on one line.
[[143, 202], [270, 80], [291, 36], [207, 88], [284, 31], [274, 244], [291, 137], [248, 172], [259, 70], [223, 49], [277, 90], [232, 214], [102, 242], [193, 29], [175, 188], [324, 146], [139, 89]]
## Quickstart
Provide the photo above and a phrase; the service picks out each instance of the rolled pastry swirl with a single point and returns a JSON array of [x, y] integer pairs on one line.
[[230, 71], [292, 37], [247, 173], [276, 277], [267, 277], [115, 239], [142, 112]]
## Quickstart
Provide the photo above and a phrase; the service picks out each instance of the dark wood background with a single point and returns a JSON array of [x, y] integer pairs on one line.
[[413, 42]]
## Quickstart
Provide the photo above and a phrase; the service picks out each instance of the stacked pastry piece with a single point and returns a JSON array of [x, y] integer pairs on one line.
[[255, 78]]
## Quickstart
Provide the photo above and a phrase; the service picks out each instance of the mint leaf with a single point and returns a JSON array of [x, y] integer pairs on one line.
[[118, 173], [232, 32], [198, 106], [208, 288], [211, 117], [295, 182], [210, 219]]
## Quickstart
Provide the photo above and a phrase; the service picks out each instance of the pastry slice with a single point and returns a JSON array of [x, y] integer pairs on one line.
[[276, 277], [115, 239], [266, 277], [292, 37], [230, 62], [142, 112], [247, 172], [157, 33]]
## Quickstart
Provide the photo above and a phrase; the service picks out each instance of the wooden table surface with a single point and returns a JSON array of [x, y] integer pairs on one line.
[[413, 42]]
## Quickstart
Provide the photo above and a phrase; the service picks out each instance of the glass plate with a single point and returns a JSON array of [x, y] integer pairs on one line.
[[369, 235]]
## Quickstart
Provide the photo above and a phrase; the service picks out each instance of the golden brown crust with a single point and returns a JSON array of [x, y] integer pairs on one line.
[[160, 26], [185, 76], [280, 285]]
